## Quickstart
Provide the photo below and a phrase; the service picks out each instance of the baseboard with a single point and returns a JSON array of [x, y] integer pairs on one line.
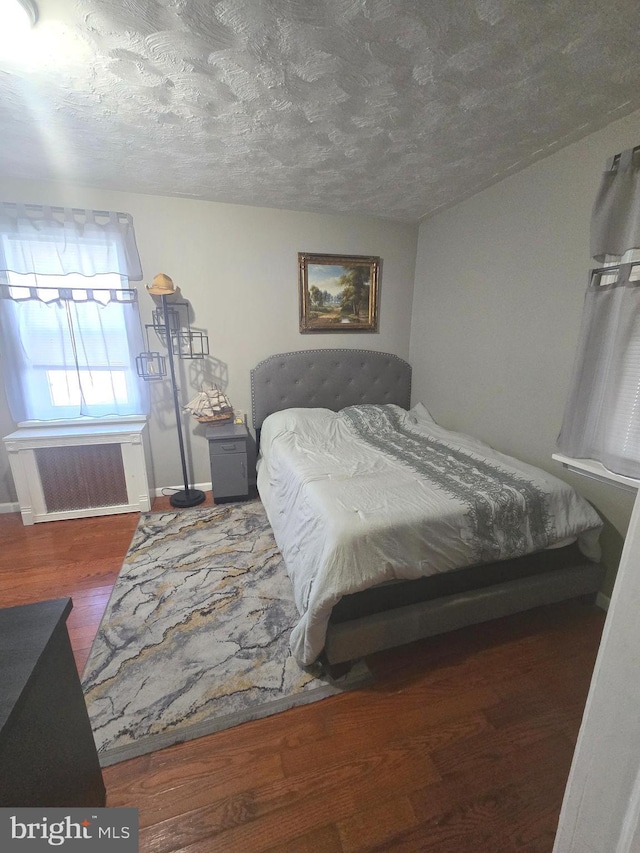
[[603, 601], [158, 493]]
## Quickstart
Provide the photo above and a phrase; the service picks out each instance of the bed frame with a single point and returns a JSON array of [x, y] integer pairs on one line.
[[335, 378]]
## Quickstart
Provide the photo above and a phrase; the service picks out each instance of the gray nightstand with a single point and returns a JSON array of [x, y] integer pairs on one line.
[[228, 457]]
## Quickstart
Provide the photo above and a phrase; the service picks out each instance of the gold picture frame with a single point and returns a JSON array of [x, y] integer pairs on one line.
[[338, 293]]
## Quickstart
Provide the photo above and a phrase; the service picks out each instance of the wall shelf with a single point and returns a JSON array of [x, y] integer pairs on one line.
[[597, 471]]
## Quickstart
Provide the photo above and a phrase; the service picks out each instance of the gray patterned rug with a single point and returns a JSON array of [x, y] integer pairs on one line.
[[195, 636]]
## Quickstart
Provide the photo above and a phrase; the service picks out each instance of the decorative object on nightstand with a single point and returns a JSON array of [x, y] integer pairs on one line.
[[171, 326], [210, 406], [228, 455]]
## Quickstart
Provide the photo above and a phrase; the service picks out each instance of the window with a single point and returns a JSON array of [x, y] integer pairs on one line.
[[602, 415], [75, 355], [69, 323], [623, 435]]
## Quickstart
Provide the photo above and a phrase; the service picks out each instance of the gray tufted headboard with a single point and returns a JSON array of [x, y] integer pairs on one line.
[[328, 378]]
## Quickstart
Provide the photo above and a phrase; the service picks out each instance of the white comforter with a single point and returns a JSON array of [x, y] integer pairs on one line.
[[375, 493]]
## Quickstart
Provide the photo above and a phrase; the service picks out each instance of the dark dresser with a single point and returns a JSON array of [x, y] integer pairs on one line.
[[48, 756]]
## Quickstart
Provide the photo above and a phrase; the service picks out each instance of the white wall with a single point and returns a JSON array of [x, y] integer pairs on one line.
[[237, 266], [500, 281]]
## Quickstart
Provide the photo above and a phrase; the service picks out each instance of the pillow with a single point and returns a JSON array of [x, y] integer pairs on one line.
[[421, 413]]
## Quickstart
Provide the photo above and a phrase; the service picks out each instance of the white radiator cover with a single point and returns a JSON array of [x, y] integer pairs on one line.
[[75, 471]]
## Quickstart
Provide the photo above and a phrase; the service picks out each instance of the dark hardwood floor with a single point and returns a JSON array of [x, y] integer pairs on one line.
[[462, 745]]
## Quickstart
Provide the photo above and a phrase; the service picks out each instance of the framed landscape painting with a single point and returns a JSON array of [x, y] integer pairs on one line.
[[338, 293]]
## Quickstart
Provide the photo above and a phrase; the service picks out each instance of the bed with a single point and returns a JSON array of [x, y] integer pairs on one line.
[[392, 528]]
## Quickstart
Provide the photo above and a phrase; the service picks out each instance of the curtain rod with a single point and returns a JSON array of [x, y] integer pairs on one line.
[[59, 209]]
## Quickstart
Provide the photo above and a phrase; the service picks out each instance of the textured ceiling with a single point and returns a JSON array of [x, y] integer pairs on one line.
[[392, 108]]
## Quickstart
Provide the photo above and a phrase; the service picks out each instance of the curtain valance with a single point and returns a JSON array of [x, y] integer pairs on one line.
[[54, 241], [615, 219], [103, 295]]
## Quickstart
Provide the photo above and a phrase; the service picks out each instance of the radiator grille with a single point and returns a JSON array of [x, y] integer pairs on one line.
[[80, 477]]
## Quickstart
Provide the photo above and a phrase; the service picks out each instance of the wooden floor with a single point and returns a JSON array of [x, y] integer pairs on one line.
[[463, 744]]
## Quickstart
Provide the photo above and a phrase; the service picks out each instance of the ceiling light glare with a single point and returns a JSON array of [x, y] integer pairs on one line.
[[17, 15]]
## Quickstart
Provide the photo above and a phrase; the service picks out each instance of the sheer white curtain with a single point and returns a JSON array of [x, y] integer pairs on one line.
[[58, 241], [69, 323], [602, 415]]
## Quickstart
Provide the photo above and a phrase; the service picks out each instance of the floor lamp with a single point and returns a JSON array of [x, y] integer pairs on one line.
[[183, 343]]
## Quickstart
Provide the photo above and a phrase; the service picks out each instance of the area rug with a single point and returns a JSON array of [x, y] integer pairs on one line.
[[195, 636]]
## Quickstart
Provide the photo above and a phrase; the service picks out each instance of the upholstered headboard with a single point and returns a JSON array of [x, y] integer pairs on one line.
[[328, 378]]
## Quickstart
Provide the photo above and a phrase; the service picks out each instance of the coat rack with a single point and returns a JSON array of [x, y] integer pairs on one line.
[[171, 325]]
